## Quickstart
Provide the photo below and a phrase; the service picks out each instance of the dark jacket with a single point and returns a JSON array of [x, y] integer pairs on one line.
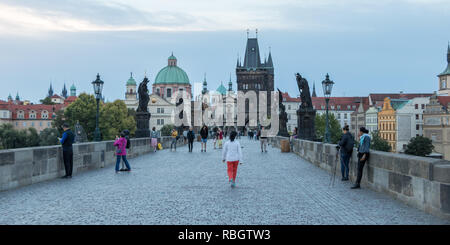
[[204, 132], [191, 135], [347, 143], [67, 140]]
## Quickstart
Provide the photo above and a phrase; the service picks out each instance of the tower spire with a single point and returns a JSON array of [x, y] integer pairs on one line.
[[205, 84], [314, 90], [230, 84]]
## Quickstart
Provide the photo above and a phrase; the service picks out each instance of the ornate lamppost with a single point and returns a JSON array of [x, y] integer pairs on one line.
[[98, 86], [327, 85]]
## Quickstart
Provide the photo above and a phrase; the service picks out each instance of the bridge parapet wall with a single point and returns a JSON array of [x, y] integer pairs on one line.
[[420, 182], [25, 166]]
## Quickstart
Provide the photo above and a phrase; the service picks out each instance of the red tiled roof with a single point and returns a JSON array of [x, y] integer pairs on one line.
[[38, 108], [343, 102], [444, 100], [287, 98], [380, 97], [56, 96]]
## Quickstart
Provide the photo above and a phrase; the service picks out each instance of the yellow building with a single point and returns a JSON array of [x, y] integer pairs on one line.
[[387, 123]]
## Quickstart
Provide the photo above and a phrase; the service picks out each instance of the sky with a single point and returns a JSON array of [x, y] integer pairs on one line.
[[369, 46]]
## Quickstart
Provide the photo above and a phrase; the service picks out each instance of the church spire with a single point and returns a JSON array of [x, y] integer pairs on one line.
[[50, 91], [448, 53], [230, 84], [314, 90], [64, 91], [205, 85]]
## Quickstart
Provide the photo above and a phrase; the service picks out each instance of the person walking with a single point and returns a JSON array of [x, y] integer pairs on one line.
[[345, 145], [66, 141], [214, 136], [185, 131], [174, 139], [121, 152], [190, 136], [363, 154], [204, 136], [154, 136], [263, 140], [232, 155], [220, 138]]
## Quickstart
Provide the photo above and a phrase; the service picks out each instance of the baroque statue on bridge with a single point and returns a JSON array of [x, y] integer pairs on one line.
[[282, 117], [142, 114], [306, 115]]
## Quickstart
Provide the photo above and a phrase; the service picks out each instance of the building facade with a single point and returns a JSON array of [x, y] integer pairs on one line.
[[444, 77], [291, 105], [372, 119], [437, 124], [253, 75], [341, 107]]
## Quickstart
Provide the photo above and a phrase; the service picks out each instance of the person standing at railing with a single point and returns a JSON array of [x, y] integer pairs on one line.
[[121, 151], [345, 146], [363, 154], [66, 141]]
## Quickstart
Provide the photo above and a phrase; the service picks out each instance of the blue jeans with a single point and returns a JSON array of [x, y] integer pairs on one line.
[[124, 160], [345, 159]]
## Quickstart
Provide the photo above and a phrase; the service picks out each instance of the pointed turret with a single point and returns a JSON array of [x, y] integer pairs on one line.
[[314, 90], [252, 58], [50, 91], [230, 85], [64, 91], [205, 85], [446, 72], [269, 60], [10, 97], [17, 97]]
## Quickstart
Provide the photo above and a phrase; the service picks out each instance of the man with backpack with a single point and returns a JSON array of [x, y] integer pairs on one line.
[[346, 147]]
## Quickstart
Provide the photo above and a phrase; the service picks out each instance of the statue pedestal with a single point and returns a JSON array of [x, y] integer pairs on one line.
[[142, 124], [305, 124]]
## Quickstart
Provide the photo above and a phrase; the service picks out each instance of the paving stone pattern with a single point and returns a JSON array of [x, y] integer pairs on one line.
[[192, 188]]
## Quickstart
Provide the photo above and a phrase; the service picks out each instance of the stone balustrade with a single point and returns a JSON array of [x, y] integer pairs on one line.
[[420, 182], [25, 166]]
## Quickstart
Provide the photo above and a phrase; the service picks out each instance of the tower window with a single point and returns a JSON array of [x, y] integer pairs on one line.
[[169, 92]]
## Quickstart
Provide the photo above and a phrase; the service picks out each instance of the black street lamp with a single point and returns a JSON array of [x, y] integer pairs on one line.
[[327, 85], [98, 86]]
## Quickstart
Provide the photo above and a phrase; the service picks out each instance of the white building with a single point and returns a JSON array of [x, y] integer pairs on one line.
[[372, 119]]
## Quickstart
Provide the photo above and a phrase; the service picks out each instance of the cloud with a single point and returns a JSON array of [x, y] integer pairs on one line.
[[31, 18]]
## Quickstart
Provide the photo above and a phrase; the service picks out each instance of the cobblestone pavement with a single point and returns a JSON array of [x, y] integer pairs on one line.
[[192, 188]]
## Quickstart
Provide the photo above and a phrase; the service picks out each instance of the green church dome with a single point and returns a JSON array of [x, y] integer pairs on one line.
[[172, 74], [131, 81], [221, 89]]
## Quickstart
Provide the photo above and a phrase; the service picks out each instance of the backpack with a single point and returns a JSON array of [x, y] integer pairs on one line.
[[349, 144], [128, 142]]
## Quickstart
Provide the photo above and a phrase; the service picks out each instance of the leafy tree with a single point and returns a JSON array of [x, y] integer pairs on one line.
[[166, 130], [49, 136], [378, 143], [32, 137], [47, 101], [114, 118], [11, 138], [419, 146], [84, 110], [335, 127], [58, 121]]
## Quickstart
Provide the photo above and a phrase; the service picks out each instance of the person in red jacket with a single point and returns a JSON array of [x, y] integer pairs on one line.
[[121, 151]]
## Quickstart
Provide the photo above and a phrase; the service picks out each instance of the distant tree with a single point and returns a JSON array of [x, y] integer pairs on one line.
[[84, 110], [11, 138], [378, 143], [58, 121], [32, 137], [47, 101], [114, 118], [335, 127], [48, 136], [419, 146], [166, 130]]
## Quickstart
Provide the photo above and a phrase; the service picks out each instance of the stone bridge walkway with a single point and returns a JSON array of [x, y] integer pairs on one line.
[[192, 188]]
